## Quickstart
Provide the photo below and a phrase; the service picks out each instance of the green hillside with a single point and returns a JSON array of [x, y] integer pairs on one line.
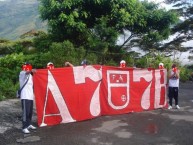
[[18, 17]]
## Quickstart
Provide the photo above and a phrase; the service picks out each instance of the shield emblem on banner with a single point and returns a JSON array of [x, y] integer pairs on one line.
[[118, 89]]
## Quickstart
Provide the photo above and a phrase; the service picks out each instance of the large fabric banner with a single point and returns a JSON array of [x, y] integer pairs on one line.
[[73, 94]]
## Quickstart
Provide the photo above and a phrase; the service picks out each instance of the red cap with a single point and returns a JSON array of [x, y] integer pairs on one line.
[[27, 67]]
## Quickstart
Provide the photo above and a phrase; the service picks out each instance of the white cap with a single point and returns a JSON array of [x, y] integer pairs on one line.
[[50, 63], [122, 61], [161, 64]]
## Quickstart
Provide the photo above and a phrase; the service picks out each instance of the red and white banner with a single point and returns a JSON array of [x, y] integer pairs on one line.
[[84, 92]]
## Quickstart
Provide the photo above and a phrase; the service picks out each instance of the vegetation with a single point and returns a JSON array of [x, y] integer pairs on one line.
[[77, 32], [183, 30], [78, 22]]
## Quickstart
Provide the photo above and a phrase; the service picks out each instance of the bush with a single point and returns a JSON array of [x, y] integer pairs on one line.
[[62, 52], [184, 74], [8, 89]]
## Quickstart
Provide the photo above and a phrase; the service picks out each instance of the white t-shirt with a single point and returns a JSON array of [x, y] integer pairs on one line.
[[27, 91], [173, 82]]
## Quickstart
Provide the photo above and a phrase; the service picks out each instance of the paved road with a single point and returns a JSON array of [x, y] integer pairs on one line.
[[158, 127]]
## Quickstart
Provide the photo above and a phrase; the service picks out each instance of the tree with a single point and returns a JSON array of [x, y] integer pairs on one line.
[[183, 30], [97, 24]]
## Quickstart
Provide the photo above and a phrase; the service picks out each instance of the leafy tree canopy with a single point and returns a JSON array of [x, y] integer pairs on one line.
[[184, 28], [97, 24]]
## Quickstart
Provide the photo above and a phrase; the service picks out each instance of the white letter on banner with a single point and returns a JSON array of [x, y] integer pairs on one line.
[[115, 80], [83, 72], [147, 75], [158, 87], [64, 112]]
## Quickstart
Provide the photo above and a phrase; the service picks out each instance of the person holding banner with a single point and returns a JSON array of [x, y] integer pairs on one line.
[[50, 65], [27, 97], [84, 62], [122, 64], [174, 75], [161, 65]]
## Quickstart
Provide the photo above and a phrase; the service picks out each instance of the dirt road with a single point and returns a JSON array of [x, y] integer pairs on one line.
[[158, 127]]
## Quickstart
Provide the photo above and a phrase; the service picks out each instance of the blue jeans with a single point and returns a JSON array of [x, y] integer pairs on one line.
[[27, 111]]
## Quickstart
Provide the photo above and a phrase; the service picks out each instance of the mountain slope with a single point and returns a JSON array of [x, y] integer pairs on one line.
[[18, 17]]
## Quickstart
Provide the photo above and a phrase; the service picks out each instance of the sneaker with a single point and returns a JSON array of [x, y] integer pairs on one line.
[[26, 131], [31, 127], [170, 107], [177, 107]]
